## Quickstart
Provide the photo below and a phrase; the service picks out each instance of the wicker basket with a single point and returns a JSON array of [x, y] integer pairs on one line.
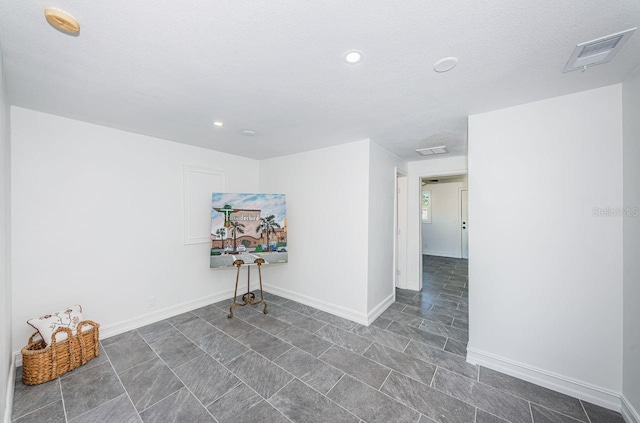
[[42, 363]]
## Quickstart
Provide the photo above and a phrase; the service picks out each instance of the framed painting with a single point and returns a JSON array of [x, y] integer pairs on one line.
[[248, 226]]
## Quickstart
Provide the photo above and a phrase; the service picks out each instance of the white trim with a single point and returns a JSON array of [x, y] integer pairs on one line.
[[344, 312], [380, 308], [560, 383], [187, 170], [629, 413], [8, 410], [402, 268], [440, 254], [113, 329]]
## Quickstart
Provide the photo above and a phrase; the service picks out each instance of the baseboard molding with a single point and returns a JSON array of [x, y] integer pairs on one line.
[[566, 385], [440, 254], [344, 312], [629, 413], [107, 331], [8, 410], [380, 308]]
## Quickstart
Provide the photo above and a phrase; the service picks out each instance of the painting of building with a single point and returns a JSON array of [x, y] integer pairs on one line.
[[248, 226]]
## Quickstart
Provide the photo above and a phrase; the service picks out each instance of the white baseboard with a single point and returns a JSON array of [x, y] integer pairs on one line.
[[440, 254], [380, 308], [629, 413], [112, 329], [566, 385], [10, 389], [347, 313]]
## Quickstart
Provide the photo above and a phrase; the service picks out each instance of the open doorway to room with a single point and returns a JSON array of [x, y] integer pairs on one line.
[[444, 216], [440, 307]]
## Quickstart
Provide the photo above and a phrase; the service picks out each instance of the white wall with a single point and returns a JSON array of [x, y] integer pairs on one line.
[[97, 220], [382, 177], [433, 167], [631, 236], [545, 272], [442, 237], [327, 217], [5, 244]]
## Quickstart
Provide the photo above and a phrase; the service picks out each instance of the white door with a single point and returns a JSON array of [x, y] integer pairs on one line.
[[464, 220]]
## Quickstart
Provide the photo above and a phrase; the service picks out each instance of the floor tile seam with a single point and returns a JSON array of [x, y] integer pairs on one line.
[[292, 347], [138, 364], [409, 406], [39, 408], [192, 360], [379, 389], [255, 351], [335, 384], [122, 384], [270, 361], [468, 403], [183, 334], [194, 342], [531, 401], [531, 412], [504, 392], [220, 396], [159, 339], [433, 377], [475, 415], [183, 384], [585, 411], [546, 407], [326, 395], [442, 324], [64, 409], [106, 402], [401, 372]]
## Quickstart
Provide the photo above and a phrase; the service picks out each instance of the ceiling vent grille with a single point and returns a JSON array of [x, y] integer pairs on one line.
[[598, 51], [432, 150]]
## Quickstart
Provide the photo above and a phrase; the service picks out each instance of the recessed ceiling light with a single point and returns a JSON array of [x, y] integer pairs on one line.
[[353, 57], [446, 64], [218, 123], [62, 21], [249, 133]]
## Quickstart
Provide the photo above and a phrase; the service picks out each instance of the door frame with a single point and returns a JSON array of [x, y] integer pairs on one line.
[[401, 182], [417, 213]]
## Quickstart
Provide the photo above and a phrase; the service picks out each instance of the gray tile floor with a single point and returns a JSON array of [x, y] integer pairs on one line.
[[298, 364]]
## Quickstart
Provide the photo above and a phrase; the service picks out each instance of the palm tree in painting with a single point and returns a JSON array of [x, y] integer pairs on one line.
[[268, 224], [236, 228], [221, 233]]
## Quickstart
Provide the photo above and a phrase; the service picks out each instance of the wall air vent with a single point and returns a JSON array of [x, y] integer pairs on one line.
[[432, 150], [598, 51]]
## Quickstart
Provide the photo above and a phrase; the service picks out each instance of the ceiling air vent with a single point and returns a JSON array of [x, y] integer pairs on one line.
[[596, 52], [432, 150]]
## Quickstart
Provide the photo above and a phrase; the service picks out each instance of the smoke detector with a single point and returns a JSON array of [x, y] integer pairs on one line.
[[598, 51], [430, 151]]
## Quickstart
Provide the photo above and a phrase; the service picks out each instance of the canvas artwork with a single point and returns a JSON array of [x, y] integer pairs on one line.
[[248, 226]]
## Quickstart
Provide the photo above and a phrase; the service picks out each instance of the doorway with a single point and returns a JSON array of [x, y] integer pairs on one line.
[[444, 216]]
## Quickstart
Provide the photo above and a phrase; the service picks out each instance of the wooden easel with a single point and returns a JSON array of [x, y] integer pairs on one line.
[[249, 297]]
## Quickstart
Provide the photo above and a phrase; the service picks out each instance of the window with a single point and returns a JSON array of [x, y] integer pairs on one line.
[[426, 206]]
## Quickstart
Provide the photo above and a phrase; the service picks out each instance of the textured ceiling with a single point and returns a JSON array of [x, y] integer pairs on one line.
[[275, 67]]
